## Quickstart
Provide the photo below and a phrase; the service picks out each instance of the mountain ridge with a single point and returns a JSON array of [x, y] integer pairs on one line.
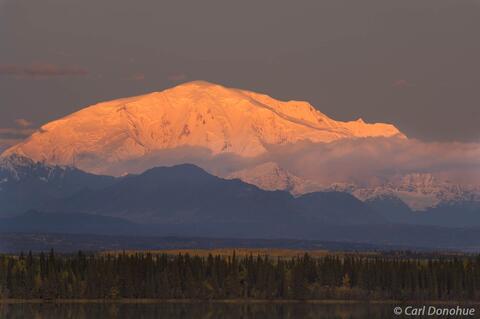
[[420, 191], [188, 200], [188, 194]]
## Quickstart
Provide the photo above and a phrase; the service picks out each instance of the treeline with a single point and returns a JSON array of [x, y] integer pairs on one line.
[[140, 275]]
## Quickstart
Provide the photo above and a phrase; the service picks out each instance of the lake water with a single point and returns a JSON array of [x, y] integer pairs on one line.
[[197, 311]]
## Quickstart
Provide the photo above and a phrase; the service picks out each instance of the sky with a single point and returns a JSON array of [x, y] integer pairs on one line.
[[413, 63]]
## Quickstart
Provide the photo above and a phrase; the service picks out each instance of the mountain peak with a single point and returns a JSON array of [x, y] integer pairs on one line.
[[199, 83], [196, 114]]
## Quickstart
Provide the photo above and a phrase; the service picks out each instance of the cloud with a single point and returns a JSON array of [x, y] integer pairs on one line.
[[23, 130], [23, 122], [366, 161], [41, 70], [372, 160], [15, 133], [400, 84], [12, 135]]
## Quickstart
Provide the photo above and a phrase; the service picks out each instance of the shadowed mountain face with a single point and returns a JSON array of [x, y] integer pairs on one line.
[[391, 208], [343, 208], [173, 195], [188, 194], [185, 200], [464, 214], [451, 214], [25, 184]]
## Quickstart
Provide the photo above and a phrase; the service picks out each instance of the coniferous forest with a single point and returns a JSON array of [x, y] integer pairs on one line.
[[160, 276]]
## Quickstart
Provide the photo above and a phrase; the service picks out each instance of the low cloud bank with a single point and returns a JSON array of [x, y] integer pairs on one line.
[[367, 161], [373, 160]]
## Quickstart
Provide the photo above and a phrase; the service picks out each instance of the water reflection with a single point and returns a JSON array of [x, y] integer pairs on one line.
[[195, 310]]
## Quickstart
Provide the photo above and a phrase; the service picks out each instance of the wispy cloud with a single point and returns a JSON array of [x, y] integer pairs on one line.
[[375, 159], [23, 123], [365, 161], [15, 133], [41, 70], [400, 84]]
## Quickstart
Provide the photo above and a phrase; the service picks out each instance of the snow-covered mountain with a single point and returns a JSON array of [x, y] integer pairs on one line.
[[417, 190], [15, 168], [270, 176], [133, 134], [421, 191], [196, 114]]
